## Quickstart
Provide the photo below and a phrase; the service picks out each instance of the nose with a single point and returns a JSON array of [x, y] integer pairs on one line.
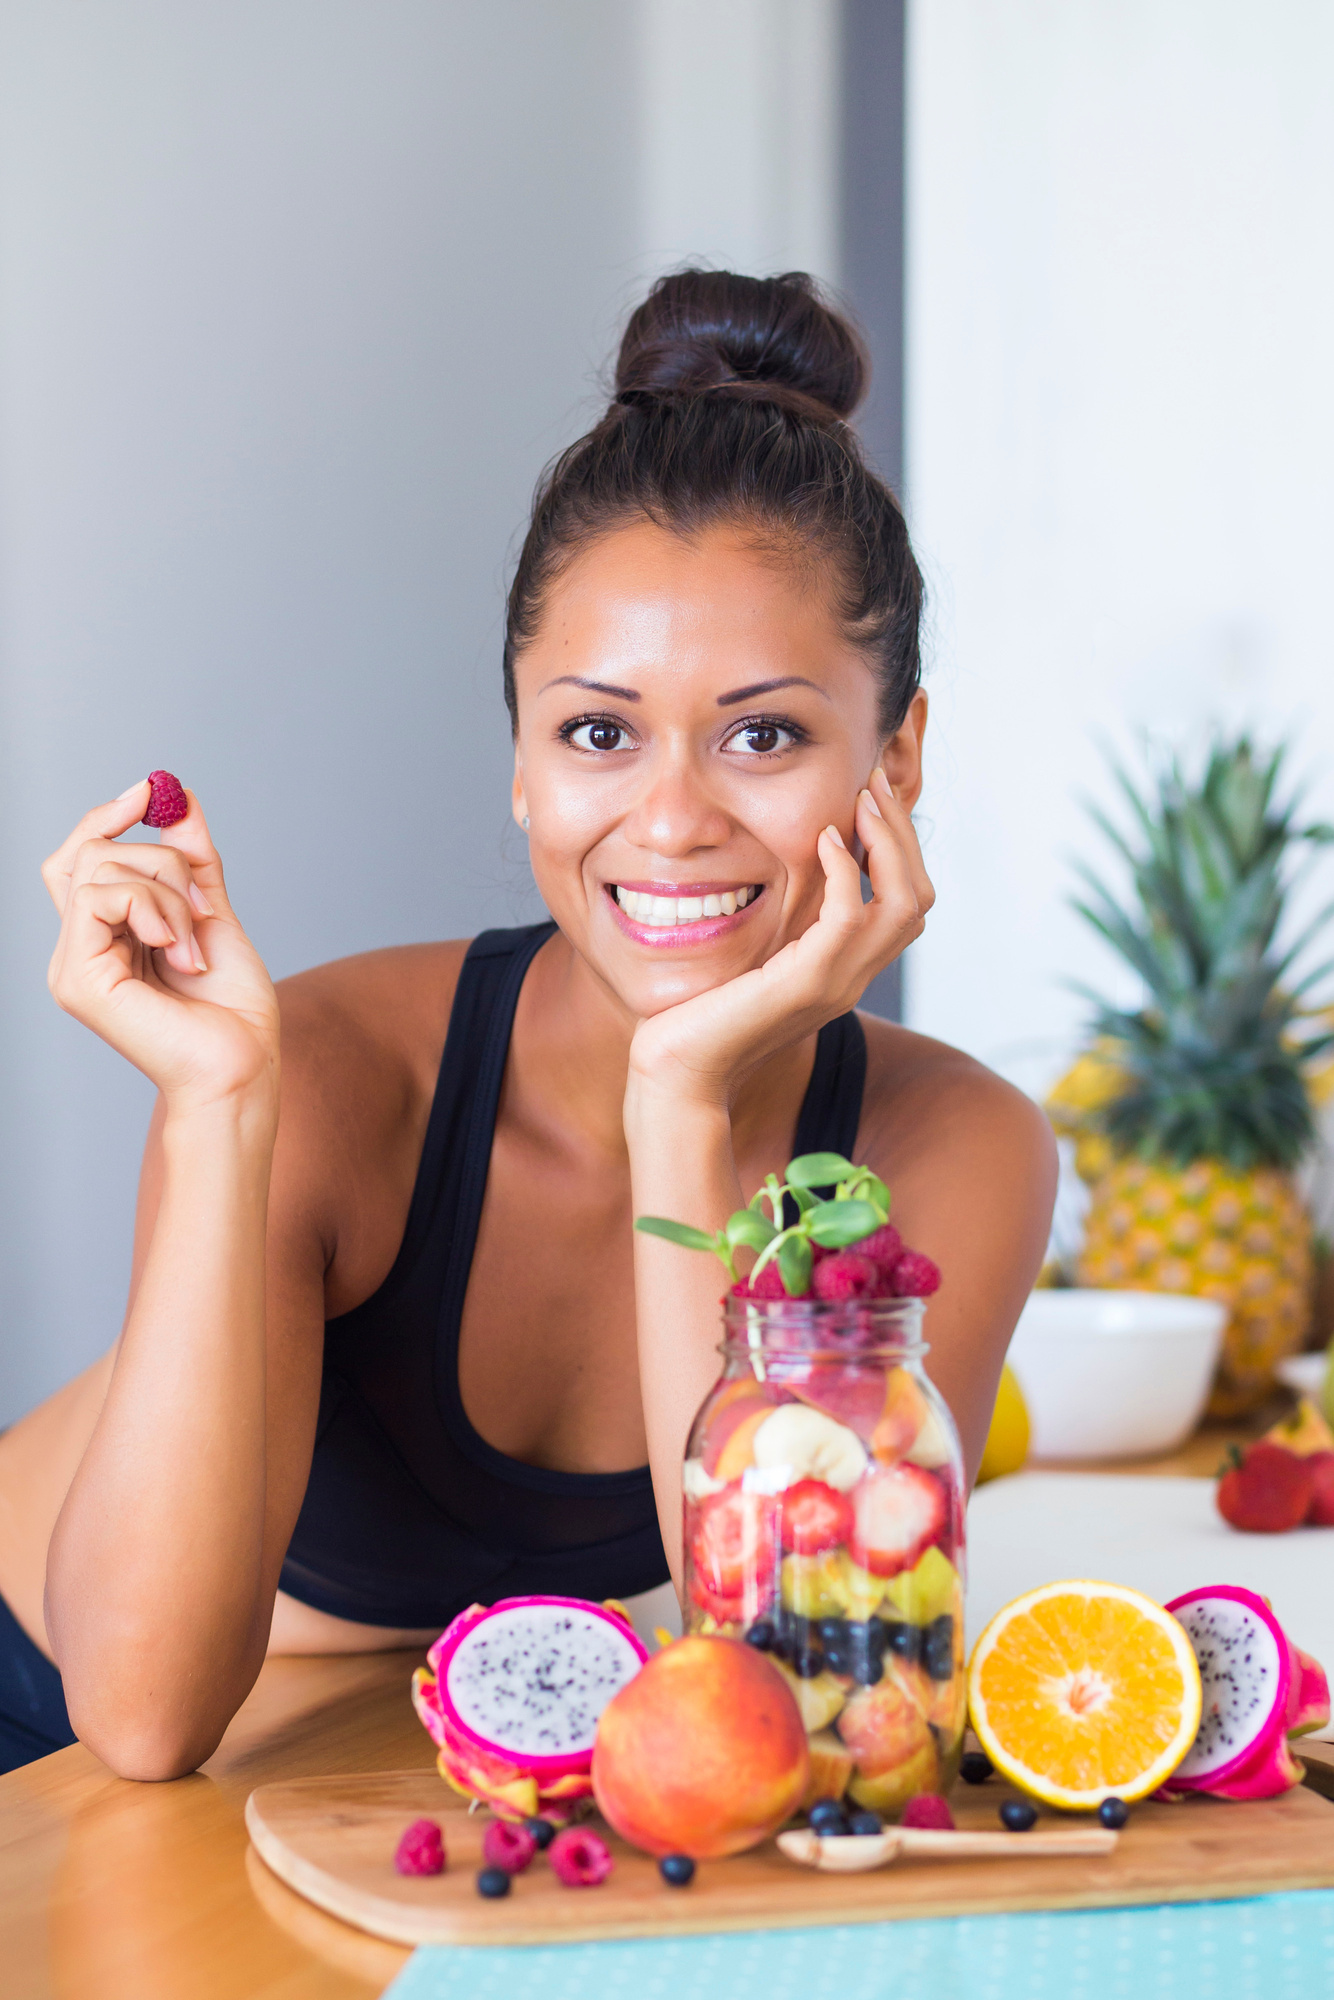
[[674, 815]]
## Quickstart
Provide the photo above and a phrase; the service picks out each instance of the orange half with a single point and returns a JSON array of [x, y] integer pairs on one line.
[[1080, 1691]]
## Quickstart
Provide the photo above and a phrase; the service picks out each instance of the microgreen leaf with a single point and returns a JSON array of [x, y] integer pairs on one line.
[[817, 1170], [749, 1228], [803, 1198], [794, 1264], [676, 1232], [835, 1224]]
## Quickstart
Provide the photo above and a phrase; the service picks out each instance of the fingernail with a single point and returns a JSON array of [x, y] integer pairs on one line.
[[871, 804], [130, 790], [200, 901], [201, 964], [834, 835]]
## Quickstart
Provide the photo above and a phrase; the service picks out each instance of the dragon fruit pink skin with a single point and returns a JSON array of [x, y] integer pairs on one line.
[[515, 1780], [1258, 1689]]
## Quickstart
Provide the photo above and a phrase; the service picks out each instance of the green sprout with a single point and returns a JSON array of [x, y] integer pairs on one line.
[[859, 1205]]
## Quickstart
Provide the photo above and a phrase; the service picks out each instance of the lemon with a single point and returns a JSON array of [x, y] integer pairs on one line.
[[1006, 1447]]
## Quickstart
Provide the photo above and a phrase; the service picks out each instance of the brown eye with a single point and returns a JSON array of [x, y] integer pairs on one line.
[[600, 735], [761, 739]]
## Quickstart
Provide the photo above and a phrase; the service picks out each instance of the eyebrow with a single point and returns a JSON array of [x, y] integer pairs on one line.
[[767, 687], [597, 687]]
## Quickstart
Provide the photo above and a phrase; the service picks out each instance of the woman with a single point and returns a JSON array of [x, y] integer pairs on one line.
[[398, 1348]]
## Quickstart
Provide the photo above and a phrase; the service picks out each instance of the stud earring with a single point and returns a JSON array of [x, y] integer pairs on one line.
[[525, 822]]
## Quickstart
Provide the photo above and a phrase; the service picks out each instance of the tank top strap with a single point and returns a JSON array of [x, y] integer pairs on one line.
[[457, 1150], [831, 1110]]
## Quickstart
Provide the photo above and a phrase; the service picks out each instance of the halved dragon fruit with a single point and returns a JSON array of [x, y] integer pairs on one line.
[[1258, 1690], [511, 1694]]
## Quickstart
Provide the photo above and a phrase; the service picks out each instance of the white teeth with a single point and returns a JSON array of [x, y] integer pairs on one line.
[[664, 912]]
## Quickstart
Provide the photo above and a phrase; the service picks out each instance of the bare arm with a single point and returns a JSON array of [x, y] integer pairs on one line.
[[164, 1561]]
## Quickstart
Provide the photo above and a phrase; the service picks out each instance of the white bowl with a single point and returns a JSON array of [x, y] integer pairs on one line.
[[1304, 1374], [1114, 1374]]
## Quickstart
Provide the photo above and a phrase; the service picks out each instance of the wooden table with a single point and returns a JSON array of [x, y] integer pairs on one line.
[[148, 1892]]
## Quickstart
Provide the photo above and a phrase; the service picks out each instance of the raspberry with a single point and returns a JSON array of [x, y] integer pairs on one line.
[[421, 1851], [166, 800], [913, 1276], [928, 1809], [508, 1847], [882, 1246], [769, 1284], [580, 1858], [847, 1276]]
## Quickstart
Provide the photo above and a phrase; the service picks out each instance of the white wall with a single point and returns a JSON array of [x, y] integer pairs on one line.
[[296, 298], [1120, 440]]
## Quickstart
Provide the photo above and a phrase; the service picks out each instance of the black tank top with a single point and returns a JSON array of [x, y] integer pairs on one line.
[[409, 1515]]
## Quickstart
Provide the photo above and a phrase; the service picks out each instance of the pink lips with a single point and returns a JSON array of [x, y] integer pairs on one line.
[[704, 930]]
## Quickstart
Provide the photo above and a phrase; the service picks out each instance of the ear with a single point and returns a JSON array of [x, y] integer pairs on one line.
[[518, 801], [901, 758]]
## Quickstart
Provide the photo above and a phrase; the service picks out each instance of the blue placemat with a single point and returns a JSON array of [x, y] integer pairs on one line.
[[1269, 1948]]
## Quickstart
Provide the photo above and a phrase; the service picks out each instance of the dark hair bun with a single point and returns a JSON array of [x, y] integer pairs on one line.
[[702, 330]]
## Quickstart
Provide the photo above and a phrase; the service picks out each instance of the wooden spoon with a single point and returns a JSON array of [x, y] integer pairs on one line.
[[854, 1853]]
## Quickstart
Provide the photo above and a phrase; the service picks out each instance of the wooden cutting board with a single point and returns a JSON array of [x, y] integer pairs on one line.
[[333, 1840]]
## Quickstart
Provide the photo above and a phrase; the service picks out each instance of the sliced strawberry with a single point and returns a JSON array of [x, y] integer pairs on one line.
[[897, 1512], [815, 1517], [734, 1540]]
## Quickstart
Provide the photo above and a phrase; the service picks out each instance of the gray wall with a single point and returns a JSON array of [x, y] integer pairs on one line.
[[298, 297]]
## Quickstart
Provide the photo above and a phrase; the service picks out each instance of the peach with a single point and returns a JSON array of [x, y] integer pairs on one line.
[[740, 1403], [831, 1767], [702, 1753], [893, 1750]]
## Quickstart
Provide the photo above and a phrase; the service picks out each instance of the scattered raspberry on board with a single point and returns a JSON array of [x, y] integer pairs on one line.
[[167, 802]]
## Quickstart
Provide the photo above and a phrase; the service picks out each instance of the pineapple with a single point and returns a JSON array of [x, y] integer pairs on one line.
[[1199, 1100]]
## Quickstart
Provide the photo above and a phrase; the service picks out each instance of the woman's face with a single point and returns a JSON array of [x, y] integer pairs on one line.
[[690, 717]]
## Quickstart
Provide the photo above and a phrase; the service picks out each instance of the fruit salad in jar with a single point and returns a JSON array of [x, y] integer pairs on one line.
[[823, 1487]]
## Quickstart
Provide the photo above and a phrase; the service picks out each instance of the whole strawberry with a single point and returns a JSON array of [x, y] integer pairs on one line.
[[1321, 1512], [167, 802], [849, 1275], [1267, 1491], [912, 1276]]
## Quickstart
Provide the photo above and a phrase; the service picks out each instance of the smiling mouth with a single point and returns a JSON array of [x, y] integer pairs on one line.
[[646, 909]]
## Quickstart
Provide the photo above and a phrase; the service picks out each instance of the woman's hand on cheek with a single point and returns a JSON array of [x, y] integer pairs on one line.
[[705, 1047]]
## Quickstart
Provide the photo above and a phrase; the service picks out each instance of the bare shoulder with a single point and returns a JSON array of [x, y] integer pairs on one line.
[[361, 1044], [925, 1102]]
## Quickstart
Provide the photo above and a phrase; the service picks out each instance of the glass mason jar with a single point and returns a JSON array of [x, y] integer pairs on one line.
[[824, 1523]]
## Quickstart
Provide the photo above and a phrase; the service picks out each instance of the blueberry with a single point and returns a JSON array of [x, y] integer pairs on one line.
[[903, 1639], [677, 1869], [542, 1830], [833, 1631], [761, 1635], [975, 1767], [1017, 1815], [493, 1882], [1114, 1812], [865, 1822], [827, 1816], [808, 1663], [938, 1648]]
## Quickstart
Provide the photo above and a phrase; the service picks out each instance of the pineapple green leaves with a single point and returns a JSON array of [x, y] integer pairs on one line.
[[1215, 1060], [859, 1205]]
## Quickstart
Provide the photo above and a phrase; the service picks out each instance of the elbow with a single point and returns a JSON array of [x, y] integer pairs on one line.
[[148, 1749]]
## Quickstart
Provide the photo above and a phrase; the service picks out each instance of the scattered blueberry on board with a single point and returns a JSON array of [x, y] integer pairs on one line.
[[975, 1767], [1017, 1815], [543, 1832], [1114, 1813], [676, 1870], [493, 1882]]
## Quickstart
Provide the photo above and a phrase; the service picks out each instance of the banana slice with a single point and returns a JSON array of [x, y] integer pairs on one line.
[[696, 1483], [810, 1445]]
